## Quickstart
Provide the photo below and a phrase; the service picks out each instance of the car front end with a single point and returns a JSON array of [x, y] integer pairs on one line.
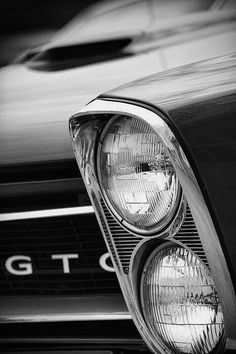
[[148, 163]]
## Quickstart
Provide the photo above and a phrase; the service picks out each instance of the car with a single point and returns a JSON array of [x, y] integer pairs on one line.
[[156, 158]]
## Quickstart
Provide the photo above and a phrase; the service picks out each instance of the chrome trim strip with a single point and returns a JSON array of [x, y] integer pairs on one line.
[[46, 213], [93, 342], [51, 309]]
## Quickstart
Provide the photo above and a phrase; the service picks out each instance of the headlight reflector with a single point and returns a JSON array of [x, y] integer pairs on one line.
[[136, 174], [180, 302]]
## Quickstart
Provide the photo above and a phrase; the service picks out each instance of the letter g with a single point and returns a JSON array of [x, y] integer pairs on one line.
[[23, 268]]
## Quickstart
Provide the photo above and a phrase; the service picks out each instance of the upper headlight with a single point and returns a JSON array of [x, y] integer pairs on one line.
[[136, 175]]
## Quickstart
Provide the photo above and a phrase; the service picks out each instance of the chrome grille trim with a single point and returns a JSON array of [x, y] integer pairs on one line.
[[46, 213], [51, 309]]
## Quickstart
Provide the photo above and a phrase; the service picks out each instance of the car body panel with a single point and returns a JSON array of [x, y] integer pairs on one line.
[[92, 24]]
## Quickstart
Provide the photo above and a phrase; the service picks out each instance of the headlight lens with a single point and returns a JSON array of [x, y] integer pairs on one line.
[[136, 174], [180, 302]]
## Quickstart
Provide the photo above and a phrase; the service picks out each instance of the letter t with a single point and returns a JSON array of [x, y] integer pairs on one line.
[[65, 260]]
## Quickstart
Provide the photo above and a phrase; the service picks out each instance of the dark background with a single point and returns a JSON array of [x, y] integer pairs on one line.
[[30, 23]]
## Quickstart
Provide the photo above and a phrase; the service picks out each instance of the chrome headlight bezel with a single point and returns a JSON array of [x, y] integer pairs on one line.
[[125, 246]]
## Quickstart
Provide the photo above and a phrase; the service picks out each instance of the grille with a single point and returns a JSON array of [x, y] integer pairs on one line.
[[39, 239], [125, 242], [188, 236]]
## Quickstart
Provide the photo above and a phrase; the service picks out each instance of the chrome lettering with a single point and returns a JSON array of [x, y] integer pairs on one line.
[[103, 263], [24, 265], [65, 260], [23, 268]]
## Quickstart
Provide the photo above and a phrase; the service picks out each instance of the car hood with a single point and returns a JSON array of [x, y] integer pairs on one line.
[[35, 106]]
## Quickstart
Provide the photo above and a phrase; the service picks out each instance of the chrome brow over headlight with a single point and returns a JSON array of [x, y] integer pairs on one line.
[[156, 225]]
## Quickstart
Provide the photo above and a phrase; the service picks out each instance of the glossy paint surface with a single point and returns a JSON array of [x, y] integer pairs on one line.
[[35, 106], [200, 100], [92, 25]]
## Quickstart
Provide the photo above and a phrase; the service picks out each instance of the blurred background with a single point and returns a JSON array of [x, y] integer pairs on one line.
[[30, 23]]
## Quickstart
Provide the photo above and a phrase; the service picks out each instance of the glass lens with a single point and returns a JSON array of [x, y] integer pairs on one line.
[[180, 302], [137, 175]]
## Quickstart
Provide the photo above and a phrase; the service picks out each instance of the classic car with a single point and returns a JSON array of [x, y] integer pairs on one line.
[[136, 252]]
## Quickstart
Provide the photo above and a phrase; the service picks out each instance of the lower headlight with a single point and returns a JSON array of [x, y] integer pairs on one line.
[[179, 301]]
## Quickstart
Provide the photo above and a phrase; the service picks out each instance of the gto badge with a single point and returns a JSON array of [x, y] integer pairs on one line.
[[22, 265]]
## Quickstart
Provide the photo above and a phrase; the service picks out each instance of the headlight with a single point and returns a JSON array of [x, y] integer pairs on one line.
[[136, 175], [179, 301]]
